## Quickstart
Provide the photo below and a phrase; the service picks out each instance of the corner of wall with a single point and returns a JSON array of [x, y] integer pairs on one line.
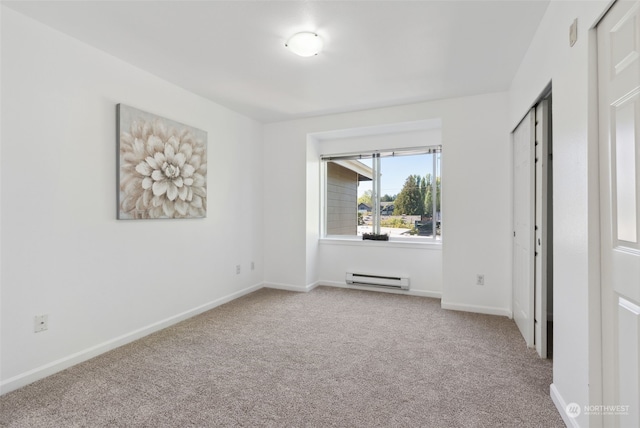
[[562, 406], [104, 281], [312, 234]]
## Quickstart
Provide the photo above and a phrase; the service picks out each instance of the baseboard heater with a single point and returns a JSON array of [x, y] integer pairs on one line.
[[377, 280]]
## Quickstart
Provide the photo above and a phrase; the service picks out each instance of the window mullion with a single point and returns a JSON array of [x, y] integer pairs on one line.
[[434, 197], [375, 197]]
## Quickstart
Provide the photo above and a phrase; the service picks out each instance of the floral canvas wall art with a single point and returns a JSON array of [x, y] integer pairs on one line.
[[162, 167]]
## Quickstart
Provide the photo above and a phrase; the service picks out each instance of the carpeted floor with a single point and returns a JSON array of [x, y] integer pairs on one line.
[[331, 357]]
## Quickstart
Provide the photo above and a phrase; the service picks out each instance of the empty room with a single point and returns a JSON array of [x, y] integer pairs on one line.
[[320, 213]]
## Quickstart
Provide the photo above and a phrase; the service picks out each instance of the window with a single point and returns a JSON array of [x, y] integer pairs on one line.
[[395, 192]]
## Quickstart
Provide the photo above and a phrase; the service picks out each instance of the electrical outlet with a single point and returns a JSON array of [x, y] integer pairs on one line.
[[253, 265], [237, 269], [40, 323], [480, 279]]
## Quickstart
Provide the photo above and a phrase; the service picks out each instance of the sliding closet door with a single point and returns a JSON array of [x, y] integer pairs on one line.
[[523, 220]]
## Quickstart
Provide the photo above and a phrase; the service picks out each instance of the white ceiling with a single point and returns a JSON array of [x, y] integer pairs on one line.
[[377, 53]]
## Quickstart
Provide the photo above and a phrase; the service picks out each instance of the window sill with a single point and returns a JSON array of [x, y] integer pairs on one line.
[[357, 241]]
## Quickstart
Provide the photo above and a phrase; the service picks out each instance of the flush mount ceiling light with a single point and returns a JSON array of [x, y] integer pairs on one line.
[[304, 44]]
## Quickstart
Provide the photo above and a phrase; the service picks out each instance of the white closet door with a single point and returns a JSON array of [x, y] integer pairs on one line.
[[523, 221], [541, 246]]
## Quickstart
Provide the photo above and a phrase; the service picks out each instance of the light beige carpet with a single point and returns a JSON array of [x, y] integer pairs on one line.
[[331, 357]]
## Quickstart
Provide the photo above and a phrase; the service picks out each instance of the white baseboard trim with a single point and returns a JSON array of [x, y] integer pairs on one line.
[[291, 287], [477, 309], [561, 405], [421, 293], [48, 369]]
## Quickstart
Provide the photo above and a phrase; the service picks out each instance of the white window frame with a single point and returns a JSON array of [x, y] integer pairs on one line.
[[376, 155]]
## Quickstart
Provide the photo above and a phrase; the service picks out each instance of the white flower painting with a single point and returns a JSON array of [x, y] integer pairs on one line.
[[163, 167]]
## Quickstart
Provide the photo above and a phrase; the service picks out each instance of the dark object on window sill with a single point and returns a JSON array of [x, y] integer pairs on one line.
[[374, 237]]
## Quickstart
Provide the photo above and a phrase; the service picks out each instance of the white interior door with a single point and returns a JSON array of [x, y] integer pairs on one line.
[[541, 243], [523, 220], [619, 94]]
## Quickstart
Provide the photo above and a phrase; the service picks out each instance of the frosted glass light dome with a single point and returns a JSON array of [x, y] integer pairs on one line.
[[305, 44]]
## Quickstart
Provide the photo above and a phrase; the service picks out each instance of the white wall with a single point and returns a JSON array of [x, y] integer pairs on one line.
[[476, 205], [1, 96], [409, 259], [576, 353], [423, 266], [104, 282]]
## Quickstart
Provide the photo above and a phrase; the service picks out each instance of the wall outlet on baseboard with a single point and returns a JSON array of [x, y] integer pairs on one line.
[[480, 279], [237, 269], [40, 323]]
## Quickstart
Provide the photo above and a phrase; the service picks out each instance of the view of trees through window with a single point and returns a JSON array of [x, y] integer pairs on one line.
[[409, 200]]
